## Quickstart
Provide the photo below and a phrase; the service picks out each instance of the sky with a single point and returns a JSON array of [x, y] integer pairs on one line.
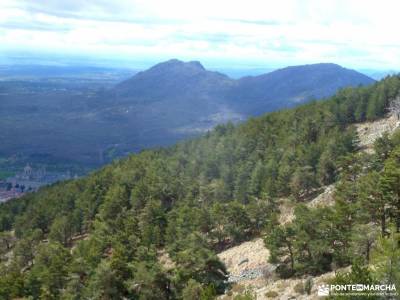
[[219, 33]]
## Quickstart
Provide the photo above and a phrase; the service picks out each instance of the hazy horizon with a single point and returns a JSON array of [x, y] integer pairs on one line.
[[255, 34], [232, 70]]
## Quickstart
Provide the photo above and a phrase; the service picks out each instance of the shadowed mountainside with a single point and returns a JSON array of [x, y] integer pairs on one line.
[[170, 101]]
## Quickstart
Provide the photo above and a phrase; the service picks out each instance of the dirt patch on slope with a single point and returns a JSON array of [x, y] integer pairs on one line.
[[247, 263], [323, 199], [368, 132], [286, 209], [284, 289], [286, 206], [247, 255]]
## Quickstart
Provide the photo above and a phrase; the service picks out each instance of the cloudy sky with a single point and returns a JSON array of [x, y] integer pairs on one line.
[[250, 33]]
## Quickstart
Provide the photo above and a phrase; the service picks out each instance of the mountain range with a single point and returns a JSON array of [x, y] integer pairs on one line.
[[158, 106], [174, 79]]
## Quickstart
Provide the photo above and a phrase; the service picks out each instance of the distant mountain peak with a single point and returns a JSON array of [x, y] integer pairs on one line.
[[173, 79], [321, 66], [197, 64], [176, 64]]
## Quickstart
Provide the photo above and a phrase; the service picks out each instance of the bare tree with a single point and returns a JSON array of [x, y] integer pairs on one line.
[[394, 107]]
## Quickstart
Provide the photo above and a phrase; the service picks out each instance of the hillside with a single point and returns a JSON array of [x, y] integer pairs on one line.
[[103, 236], [291, 86], [248, 264], [98, 121]]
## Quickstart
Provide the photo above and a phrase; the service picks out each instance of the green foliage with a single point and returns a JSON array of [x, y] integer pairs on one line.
[[363, 240], [386, 259], [391, 185], [308, 284], [271, 294], [148, 282], [355, 228], [11, 283], [299, 288], [358, 275], [104, 283], [49, 272], [24, 250], [245, 296], [6, 241], [299, 248], [61, 230], [192, 290], [198, 262]]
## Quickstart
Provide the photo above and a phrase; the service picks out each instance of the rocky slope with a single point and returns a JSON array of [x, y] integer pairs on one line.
[[368, 132], [250, 272]]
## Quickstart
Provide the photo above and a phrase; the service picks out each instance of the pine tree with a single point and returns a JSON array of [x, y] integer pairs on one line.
[[386, 259]]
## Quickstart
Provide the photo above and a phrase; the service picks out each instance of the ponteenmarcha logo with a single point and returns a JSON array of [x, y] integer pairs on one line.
[[357, 289], [323, 290]]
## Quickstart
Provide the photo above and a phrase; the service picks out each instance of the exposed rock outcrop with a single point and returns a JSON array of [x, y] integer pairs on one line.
[[368, 132]]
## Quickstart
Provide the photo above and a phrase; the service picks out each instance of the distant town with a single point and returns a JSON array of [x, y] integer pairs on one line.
[[28, 180]]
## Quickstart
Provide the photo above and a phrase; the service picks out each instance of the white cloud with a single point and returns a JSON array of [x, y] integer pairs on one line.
[[258, 32]]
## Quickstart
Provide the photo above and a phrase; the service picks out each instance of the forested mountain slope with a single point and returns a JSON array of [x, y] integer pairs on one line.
[[248, 260], [101, 236]]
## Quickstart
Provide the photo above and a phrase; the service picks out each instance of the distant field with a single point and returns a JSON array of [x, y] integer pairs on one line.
[[6, 174]]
